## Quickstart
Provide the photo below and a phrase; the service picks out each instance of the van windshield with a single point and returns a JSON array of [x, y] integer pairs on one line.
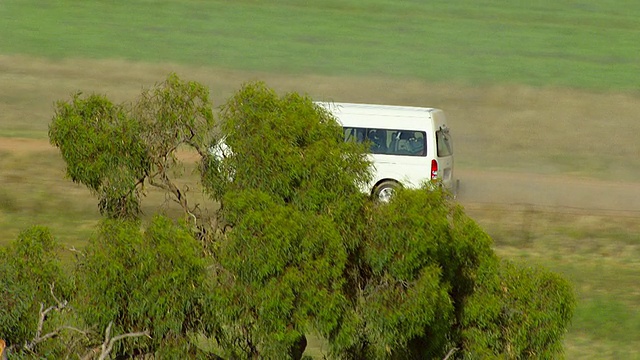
[[443, 142], [389, 142]]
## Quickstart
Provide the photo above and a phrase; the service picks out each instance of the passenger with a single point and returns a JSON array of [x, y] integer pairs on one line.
[[378, 138]]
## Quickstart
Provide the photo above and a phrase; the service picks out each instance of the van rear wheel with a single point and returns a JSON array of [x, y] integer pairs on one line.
[[385, 191]]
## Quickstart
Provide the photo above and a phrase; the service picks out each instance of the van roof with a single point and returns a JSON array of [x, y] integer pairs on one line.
[[385, 116], [375, 109]]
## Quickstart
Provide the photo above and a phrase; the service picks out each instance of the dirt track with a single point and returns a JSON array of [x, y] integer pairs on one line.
[[576, 194], [492, 187]]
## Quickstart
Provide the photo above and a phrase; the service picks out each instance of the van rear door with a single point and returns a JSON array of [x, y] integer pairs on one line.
[[444, 149]]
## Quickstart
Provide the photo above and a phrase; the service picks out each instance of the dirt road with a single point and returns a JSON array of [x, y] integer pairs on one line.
[[583, 194], [492, 187]]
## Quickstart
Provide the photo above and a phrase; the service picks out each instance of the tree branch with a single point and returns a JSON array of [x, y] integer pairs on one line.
[[74, 250], [60, 304], [107, 345], [38, 338], [450, 353], [166, 184], [200, 151]]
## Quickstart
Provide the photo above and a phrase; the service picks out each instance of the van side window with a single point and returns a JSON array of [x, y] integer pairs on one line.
[[410, 143], [389, 142], [354, 134], [443, 143]]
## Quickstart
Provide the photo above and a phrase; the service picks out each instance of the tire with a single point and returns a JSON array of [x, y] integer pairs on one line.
[[385, 190]]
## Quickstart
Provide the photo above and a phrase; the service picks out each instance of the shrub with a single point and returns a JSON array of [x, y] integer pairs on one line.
[[518, 312], [152, 281], [418, 262], [32, 279]]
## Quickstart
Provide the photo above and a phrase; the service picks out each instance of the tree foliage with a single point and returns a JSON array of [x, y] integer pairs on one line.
[[31, 278], [114, 148], [286, 147], [288, 177], [152, 281], [306, 251], [517, 312], [420, 258], [102, 148]]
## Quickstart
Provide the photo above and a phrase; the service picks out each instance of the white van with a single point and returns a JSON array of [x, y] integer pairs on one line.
[[409, 145]]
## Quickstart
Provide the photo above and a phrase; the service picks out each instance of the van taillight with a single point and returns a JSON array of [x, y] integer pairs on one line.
[[434, 169]]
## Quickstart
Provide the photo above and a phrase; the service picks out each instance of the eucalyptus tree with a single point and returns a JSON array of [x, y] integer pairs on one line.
[[117, 149], [303, 249]]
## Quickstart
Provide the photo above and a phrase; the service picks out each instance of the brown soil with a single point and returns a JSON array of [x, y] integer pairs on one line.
[[20, 146]]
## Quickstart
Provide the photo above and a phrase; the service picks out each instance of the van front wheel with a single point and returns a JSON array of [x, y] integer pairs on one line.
[[385, 190]]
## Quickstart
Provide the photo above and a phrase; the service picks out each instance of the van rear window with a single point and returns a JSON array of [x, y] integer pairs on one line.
[[443, 142], [389, 142]]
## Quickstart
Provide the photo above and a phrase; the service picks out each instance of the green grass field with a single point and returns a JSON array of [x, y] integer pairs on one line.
[[547, 87], [589, 44]]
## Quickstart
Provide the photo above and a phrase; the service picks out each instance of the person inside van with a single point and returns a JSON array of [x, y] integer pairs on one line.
[[403, 145], [410, 143], [378, 138]]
